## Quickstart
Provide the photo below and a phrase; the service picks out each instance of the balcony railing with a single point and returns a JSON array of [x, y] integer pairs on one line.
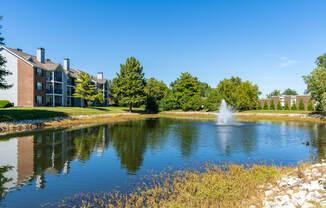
[[56, 91], [57, 79]]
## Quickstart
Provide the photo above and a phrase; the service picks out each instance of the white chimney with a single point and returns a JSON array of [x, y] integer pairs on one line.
[[99, 75], [40, 55], [66, 64]]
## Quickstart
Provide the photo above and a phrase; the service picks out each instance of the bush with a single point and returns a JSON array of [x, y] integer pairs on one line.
[[169, 103], [310, 106], [272, 105], [301, 105], [279, 106], [5, 103], [286, 106], [151, 105], [265, 105], [293, 106]]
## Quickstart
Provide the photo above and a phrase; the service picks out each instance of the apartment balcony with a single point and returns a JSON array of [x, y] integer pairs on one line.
[[56, 91]]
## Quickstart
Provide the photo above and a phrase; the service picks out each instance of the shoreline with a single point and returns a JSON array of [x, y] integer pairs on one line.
[[224, 185], [27, 125]]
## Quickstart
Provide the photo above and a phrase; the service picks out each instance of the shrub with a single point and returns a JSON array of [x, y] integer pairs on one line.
[[169, 103], [265, 105], [301, 105], [286, 106], [151, 105], [310, 106], [259, 107], [279, 106], [5, 103], [293, 106], [272, 105]]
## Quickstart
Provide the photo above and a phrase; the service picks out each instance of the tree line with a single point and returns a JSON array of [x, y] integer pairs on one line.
[[131, 88]]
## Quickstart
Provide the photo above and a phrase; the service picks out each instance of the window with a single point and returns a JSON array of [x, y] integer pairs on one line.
[[39, 86], [39, 100], [39, 72]]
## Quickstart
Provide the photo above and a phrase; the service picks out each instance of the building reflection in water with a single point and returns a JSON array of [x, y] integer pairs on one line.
[[28, 158]]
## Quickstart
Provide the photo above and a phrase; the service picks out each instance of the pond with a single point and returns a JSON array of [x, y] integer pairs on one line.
[[49, 165]]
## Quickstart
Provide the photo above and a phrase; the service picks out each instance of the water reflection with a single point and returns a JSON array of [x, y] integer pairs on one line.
[[242, 138], [32, 158]]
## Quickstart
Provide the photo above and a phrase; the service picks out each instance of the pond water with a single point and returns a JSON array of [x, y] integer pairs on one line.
[[47, 166]]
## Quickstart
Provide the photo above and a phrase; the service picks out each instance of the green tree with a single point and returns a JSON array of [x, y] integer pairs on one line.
[[310, 106], [238, 94], [155, 91], [274, 93], [184, 89], [289, 91], [205, 89], [301, 105], [213, 100], [169, 102], [128, 86], [99, 97], [265, 105], [286, 106], [279, 106], [316, 82], [85, 89], [3, 71], [272, 105], [293, 106]]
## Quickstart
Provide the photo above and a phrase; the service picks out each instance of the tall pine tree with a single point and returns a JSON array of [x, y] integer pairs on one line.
[[3, 72], [128, 86]]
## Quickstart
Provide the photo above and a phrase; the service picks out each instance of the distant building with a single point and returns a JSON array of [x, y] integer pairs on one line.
[[38, 81], [289, 99]]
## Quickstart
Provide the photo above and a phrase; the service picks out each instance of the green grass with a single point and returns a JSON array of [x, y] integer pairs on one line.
[[277, 111], [18, 114]]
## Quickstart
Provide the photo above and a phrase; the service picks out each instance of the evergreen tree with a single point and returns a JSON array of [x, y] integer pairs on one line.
[[3, 72], [265, 105], [310, 106], [286, 106], [128, 86], [185, 89], [279, 106], [272, 105], [259, 107], [301, 105], [293, 106], [84, 89]]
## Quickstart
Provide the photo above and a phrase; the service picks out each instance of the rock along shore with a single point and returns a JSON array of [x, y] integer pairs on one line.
[[304, 188]]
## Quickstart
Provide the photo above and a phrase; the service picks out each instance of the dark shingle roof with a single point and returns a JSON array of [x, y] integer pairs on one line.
[[47, 65]]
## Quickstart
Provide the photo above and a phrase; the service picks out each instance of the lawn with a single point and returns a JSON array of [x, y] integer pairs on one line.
[[18, 114]]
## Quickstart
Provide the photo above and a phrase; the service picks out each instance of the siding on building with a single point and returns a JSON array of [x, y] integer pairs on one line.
[[11, 65]]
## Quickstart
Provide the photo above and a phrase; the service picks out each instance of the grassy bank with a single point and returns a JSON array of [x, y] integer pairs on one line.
[[18, 114], [278, 111], [250, 117], [223, 185]]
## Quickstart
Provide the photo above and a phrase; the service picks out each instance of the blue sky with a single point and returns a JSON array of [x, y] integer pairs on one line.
[[270, 43]]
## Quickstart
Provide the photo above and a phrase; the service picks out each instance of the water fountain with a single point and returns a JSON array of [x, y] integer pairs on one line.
[[225, 114]]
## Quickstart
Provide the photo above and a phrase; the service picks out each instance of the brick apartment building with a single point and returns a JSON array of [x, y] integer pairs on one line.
[[288, 99], [38, 81]]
